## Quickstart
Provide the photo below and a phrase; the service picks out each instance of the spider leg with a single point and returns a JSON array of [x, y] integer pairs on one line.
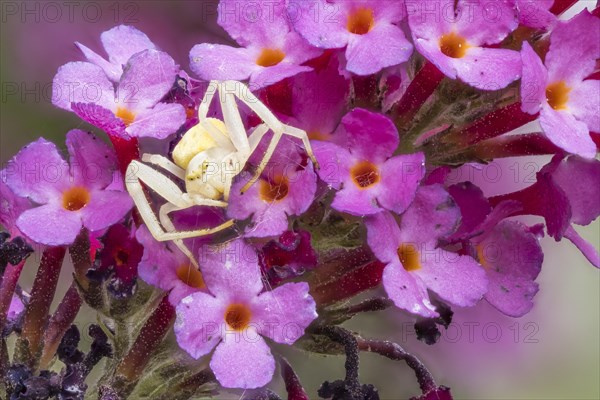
[[165, 164], [167, 223], [207, 99], [231, 116], [279, 129], [136, 172]]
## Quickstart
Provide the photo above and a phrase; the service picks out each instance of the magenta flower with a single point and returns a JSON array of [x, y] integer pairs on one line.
[[167, 268], [76, 195], [134, 108], [454, 38], [237, 314], [512, 258], [319, 99], [367, 177], [120, 43], [568, 103], [414, 261], [509, 251], [571, 189], [271, 50], [367, 29], [286, 187]]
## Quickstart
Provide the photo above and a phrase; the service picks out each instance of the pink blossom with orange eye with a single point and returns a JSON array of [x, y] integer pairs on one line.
[[559, 90], [236, 313], [271, 50], [369, 179], [286, 187], [458, 39], [76, 194], [134, 108], [368, 30], [415, 261]]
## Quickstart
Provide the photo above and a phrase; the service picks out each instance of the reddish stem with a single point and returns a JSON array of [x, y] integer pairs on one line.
[[7, 289], [394, 351], [560, 6], [515, 146], [496, 123], [127, 150], [422, 86], [151, 334], [293, 386], [60, 321], [42, 293], [353, 282]]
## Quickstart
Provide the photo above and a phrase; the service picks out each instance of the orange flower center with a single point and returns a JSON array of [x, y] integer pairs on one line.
[[275, 190], [270, 57], [76, 198], [125, 115], [557, 95], [238, 316], [409, 257], [481, 256], [191, 276], [364, 174], [361, 21], [453, 45]]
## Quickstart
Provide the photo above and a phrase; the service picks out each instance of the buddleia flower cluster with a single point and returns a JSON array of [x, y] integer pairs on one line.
[[195, 292]]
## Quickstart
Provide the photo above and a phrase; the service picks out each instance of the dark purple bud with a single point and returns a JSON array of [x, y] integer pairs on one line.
[[288, 257]]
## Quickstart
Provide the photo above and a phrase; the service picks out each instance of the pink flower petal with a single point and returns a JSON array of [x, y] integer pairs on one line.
[[50, 225], [231, 270], [200, 323], [284, 313], [38, 172], [106, 207], [243, 361], [566, 132], [459, 280]]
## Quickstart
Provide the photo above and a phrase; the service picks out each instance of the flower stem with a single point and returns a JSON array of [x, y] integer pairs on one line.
[[60, 321], [42, 293], [293, 386], [515, 146], [394, 351], [496, 123], [151, 334], [422, 86]]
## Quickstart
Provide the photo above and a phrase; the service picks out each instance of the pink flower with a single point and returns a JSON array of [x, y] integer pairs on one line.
[[69, 196], [167, 268], [367, 29], [364, 171], [454, 39], [286, 187], [414, 261], [271, 50], [235, 315], [509, 251], [568, 103], [134, 107]]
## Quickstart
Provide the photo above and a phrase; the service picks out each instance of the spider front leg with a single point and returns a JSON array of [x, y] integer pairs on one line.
[[279, 129], [138, 172]]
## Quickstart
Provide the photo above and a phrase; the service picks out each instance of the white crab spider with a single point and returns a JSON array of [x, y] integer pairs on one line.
[[207, 159]]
